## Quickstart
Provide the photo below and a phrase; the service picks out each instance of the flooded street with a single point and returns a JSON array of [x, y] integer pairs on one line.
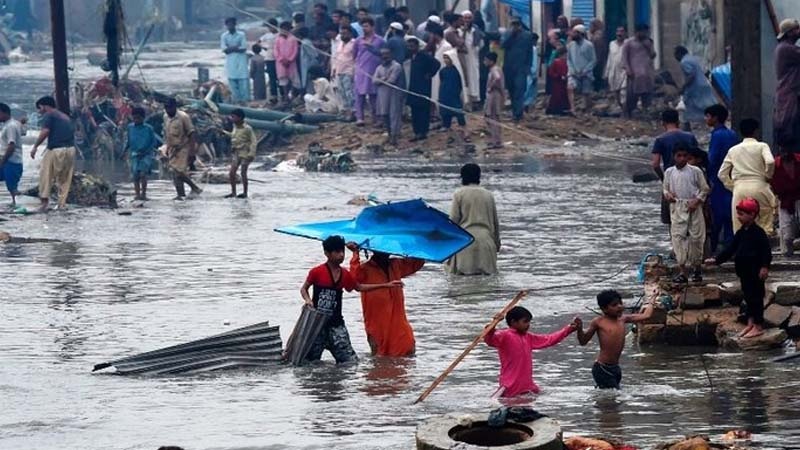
[[113, 286]]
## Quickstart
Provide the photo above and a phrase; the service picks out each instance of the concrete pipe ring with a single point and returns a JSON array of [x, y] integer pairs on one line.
[[451, 432]]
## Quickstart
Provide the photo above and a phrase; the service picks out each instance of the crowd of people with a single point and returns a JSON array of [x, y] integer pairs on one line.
[[449, 65]]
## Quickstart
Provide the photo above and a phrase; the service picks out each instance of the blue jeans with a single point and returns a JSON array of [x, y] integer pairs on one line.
[[240, 89]]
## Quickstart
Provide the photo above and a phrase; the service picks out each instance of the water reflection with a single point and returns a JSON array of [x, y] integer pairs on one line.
[[387, 376]]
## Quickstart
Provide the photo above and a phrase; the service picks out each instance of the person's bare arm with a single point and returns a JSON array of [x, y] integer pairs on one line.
[[43, 134], [304, 293], [655, 162], [585, 336], [645, 314]]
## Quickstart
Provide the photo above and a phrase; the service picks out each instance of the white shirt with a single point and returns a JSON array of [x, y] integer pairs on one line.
[[268, 44], [11, 132], [687, 183]]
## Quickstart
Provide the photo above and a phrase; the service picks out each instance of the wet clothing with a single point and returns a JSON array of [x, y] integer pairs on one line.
[[746, 171], [177, 133], [243, 142], [786, 118], [336, 340], [141, 146], [606, 376], [474, 209], [751, 251], [62, 132], [516, 361], [697, 94], [11, 173], [58, 165], [385, 321], [722, 139], [327, 292]]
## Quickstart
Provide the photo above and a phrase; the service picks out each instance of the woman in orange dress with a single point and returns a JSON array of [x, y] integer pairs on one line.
[[385, 321]]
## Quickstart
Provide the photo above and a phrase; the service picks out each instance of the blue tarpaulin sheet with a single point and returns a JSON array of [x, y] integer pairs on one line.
[[522, 8], [721, 79], [409, 228]]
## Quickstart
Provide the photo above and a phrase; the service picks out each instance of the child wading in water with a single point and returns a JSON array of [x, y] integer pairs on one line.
[[753, 257], [243, 149], [610, 329], [328, 281], [514, 345], [685, 188], [141, 147]]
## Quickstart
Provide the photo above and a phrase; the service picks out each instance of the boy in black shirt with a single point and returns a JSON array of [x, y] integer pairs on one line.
[[753, 257]]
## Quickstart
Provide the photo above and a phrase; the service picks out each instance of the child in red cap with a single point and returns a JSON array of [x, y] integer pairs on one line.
[[753, 257]]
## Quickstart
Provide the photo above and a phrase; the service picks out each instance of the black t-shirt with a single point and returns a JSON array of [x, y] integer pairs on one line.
[[62, 132], [327, 292]]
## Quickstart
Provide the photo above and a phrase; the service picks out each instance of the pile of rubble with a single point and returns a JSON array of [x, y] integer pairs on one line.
[[708, 313], [86, 190]]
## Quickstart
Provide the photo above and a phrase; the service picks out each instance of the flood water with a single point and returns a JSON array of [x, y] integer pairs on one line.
[[115, 285]]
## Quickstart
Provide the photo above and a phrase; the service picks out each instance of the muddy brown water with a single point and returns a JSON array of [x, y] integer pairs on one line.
[[171, 272]]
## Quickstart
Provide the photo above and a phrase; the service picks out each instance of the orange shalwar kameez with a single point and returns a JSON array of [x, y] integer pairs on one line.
[[385, 321]]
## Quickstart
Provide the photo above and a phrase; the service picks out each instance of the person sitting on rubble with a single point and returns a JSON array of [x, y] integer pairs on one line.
[[610, 329], [141, 147], [328, 281], [243, 149], [515, 345], [753, 256]]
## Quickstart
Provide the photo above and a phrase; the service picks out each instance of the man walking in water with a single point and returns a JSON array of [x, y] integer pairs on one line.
[[58, 162], [179, 136]]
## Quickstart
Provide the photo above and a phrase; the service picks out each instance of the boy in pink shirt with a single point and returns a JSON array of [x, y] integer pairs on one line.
[[514, 345]]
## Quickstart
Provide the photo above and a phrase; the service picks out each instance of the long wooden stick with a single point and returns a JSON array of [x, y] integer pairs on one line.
[[520, 295]]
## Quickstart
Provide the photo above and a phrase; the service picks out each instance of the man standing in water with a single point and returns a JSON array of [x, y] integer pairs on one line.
[[385, 321], [179, 137], [58, 162], [10, 152], [474, 210]]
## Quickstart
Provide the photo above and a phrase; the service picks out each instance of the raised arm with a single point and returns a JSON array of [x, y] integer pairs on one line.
[[645, 314]]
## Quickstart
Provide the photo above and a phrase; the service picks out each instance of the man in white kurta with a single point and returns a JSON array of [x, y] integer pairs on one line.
[[746, 172], [615, 69], [473, 37]]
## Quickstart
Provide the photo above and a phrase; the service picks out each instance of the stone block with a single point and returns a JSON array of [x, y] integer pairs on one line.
[[787, 294], [693, 298], [772, 338], [694, 443], [4, 237], [793, 326], [777, 315], [650, 334], [731, 292]]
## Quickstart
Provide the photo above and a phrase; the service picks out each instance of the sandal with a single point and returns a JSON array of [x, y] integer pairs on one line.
[[680, 279]]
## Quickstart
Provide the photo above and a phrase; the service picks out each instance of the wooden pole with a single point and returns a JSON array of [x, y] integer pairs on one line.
[[520, 295], [112, 39], [745, 58], [59, 37]]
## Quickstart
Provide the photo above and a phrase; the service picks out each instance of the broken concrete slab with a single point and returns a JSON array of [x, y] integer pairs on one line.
[[693, 298], [777, 315], [731, 292], [772, 338]]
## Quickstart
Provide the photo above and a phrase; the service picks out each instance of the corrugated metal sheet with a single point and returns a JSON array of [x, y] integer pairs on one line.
[[252, 346], [583, 9], [305, 332]]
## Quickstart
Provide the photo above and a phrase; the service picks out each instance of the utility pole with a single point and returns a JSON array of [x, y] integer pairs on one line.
[[111, 30], [745, 58], [59, 37]]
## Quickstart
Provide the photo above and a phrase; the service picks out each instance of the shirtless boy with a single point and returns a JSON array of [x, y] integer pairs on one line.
[[610, 329]]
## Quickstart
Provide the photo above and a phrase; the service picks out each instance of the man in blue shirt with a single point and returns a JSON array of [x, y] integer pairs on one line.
[[663, 148], [234, 45], [722, 139], [141, 146]]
